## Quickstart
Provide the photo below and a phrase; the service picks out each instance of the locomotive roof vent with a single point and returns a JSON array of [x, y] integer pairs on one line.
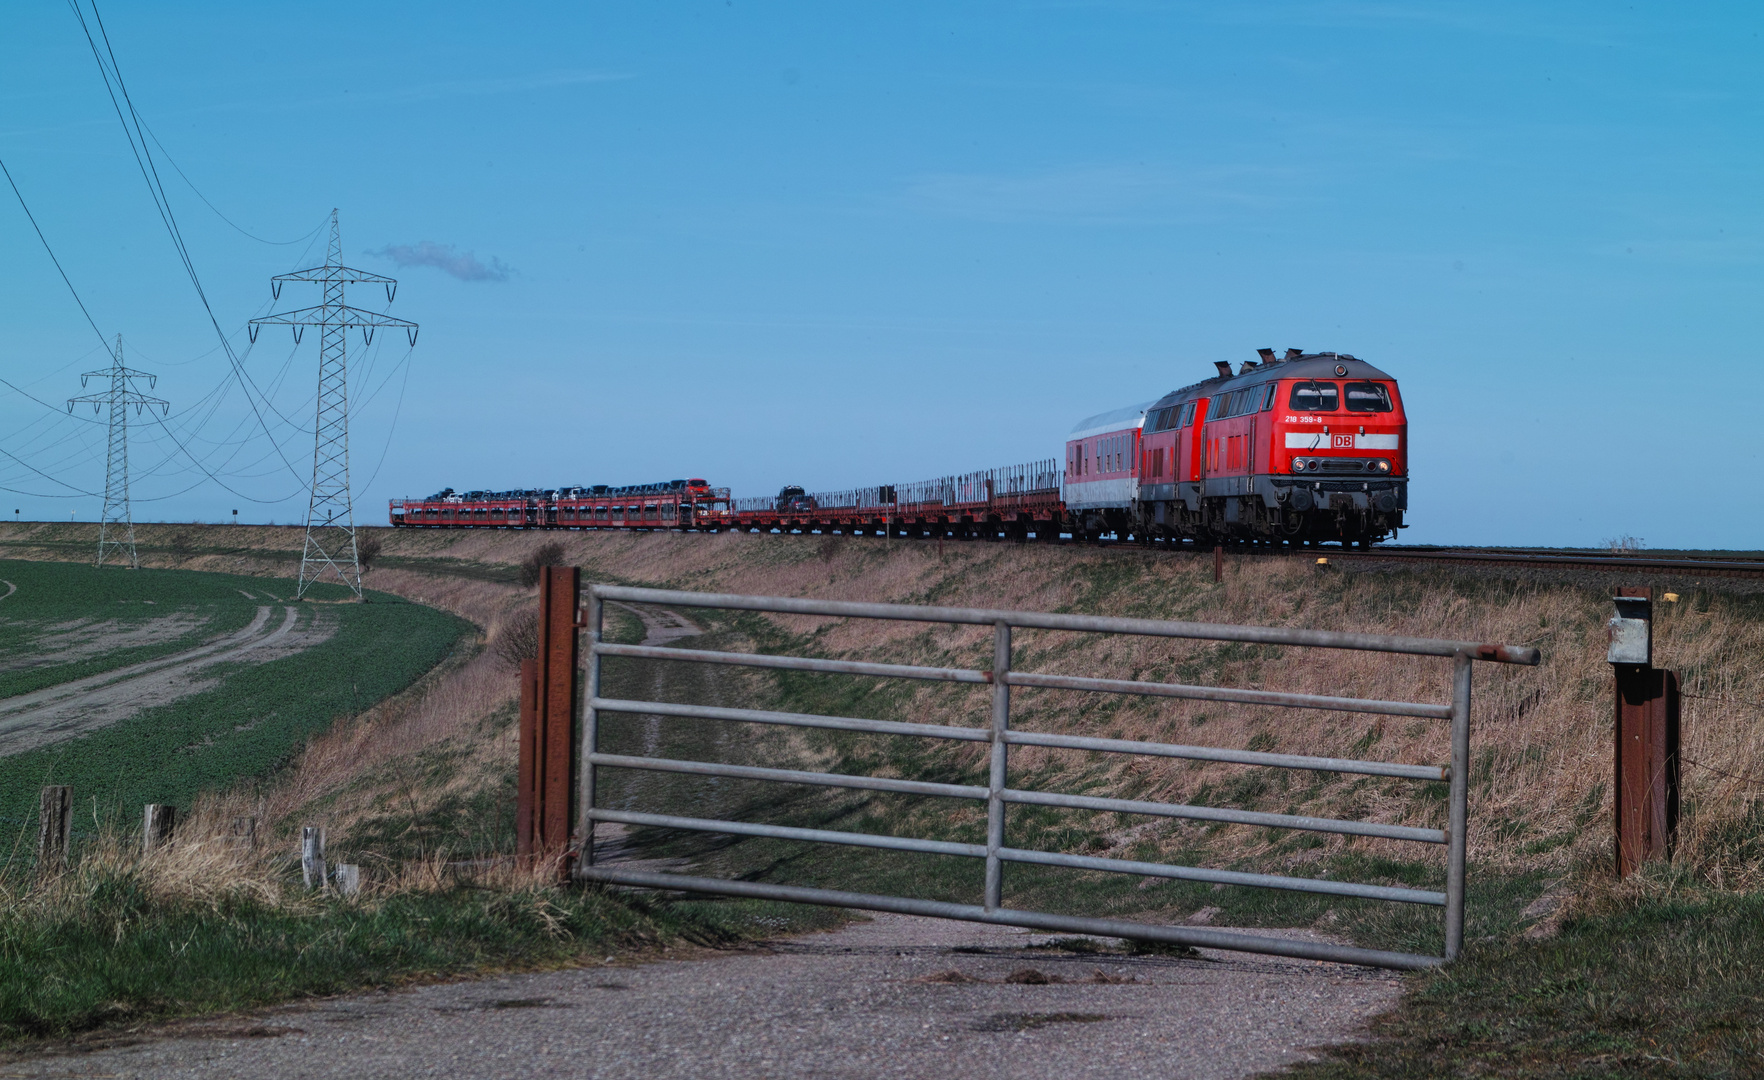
[[1267, 356], [1248, 366], [1224, 367], [1293, 354]]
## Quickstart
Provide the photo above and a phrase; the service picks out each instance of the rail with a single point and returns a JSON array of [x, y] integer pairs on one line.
[[997, 793]]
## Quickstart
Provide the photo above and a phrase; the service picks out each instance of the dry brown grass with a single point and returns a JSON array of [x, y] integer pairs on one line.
[[1541, 735]]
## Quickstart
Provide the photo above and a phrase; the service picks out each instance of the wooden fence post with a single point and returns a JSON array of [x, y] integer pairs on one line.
[[54, 828], [157, 822], [312, 856], [348, 878], [243, 833]]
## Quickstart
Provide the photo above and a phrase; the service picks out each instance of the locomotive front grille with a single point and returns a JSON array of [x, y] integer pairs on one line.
[[1343, 465]]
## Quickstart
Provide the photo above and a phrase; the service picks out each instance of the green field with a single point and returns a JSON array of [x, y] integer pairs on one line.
[[253, 721], [49, 624]]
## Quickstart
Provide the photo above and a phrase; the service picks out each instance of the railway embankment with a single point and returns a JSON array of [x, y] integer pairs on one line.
[[1561, 963]]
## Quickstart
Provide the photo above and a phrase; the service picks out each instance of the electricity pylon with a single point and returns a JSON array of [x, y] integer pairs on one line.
[[117, 519], [330, 512]]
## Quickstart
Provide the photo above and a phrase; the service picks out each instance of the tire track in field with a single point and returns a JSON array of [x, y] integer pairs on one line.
[[84, 705]]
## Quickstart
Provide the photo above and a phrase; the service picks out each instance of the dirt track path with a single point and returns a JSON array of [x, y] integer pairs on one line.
[[894, 997], [73, 708]]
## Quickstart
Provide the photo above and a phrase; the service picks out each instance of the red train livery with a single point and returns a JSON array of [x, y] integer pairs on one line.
[[1305, 448]]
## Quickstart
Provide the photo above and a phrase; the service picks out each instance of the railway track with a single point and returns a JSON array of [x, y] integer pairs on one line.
[[1652, 564]]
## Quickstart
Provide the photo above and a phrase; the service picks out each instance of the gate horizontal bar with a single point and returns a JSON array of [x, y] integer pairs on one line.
[[788, 832], [795, 663], [1023, 738], [1022, 855], [1220, 813], [788, 776], [1266, 635], [1236, 757], [808, 720], [1034, 920], [1224, 877], [1036, 798], [1226, 694]]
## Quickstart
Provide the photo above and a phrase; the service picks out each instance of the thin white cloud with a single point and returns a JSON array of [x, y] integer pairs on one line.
[[464, 265]]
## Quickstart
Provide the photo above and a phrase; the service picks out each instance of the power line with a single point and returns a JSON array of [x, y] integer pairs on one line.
[[156, 189], [198, 192], [46, 476], [53, 259]]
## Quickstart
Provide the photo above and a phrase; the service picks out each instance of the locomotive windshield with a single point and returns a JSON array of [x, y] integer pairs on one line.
[[1367, 397], [1316, 396]]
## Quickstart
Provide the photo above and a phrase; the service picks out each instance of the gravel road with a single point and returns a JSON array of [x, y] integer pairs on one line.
[[893, 997]]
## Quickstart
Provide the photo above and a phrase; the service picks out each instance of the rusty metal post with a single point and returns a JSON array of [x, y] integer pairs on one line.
[[1645, 737], [527, 758], [54, 828], [559, 596], [1218, 562]]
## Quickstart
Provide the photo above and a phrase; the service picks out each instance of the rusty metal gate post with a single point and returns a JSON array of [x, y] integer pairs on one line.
[[548, 728], [1645, 736]]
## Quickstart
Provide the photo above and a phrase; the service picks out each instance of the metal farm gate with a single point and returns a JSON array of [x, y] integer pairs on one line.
[[998, 794]]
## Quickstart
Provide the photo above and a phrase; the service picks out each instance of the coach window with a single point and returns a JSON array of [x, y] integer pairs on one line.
[[1268, 398], [1315, 397], [1367, 397]]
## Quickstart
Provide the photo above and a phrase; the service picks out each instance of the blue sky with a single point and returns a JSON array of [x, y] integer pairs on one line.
[[844, 244]]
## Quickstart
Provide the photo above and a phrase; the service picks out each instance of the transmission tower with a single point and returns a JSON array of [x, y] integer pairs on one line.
[[116, 528], [330, 513]]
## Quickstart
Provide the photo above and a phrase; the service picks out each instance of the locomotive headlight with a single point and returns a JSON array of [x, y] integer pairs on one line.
[[1381, 466]]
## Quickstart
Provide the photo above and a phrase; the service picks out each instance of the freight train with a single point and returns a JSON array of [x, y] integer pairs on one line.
[[1304, 448]]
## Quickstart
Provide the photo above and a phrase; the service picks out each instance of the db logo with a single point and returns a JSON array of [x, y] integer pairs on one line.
[[1341, 442]]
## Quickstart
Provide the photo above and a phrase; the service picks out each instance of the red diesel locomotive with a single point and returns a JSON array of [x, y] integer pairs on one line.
[[1305, 448], [1309, 447]]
